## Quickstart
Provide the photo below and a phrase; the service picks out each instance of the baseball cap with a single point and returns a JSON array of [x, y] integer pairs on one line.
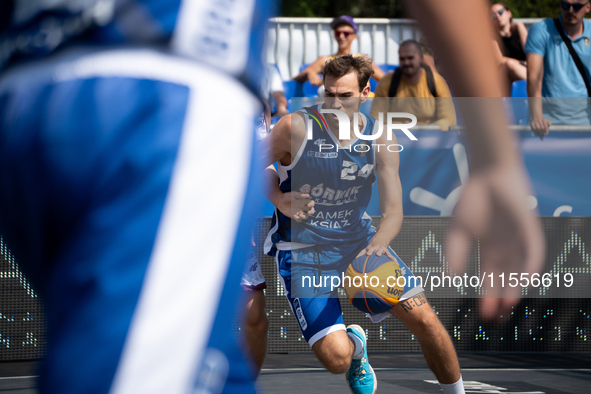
[[343, 20]]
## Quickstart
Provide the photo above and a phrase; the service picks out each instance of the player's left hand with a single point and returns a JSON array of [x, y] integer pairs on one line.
[[378, 247]]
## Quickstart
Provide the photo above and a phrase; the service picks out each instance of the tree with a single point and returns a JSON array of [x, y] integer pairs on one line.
[[356, 9], [394, 9]]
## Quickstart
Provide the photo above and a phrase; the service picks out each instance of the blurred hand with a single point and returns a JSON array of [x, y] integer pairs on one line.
[[540, 126], [493, 209], [296, 206], [281, 112], [314, 79]]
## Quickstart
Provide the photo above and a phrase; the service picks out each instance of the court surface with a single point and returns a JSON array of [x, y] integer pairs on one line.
[[507, 373]]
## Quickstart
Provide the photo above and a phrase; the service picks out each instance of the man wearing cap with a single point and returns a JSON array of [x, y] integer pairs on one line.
[[345, 32]]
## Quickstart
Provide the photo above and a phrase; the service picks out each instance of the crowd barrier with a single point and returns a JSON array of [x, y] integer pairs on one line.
[[292, 42], [434, 169]]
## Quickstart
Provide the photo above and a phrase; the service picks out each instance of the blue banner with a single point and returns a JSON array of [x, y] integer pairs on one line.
[[433, 169]]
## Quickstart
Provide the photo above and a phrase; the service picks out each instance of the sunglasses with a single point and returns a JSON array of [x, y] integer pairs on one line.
[[576, 6], [337, 33], [500, 12]]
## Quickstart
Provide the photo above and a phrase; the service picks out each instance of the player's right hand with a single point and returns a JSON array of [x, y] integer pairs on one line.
[[296, 206]]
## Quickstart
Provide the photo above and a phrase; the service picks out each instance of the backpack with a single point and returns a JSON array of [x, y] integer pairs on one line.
[[398, 74]]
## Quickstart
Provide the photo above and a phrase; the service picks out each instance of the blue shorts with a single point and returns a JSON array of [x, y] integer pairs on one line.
[[318, 309], [111, 203]]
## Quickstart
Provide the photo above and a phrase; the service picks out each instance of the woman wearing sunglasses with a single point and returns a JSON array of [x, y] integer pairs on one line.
[[510, 43], [345, 32]]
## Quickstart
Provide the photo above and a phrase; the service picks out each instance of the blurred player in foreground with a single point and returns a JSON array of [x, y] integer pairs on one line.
[[107, 185], [493, 205], [339, 183]]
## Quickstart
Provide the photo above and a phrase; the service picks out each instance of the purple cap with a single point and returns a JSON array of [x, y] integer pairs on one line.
[[343, 20]]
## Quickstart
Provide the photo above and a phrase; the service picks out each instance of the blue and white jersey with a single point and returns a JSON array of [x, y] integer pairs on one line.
[[102, 169], [105, 107], [226, 34], [339, 180]]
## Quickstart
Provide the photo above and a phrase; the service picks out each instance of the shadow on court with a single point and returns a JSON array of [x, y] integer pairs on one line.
[[508, 373]]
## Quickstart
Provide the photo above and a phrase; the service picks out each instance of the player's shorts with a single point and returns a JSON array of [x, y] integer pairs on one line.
[[252, 277], [110, 199], [316, 305]]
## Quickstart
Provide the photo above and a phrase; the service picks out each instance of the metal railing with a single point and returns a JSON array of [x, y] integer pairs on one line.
[[292, 42]]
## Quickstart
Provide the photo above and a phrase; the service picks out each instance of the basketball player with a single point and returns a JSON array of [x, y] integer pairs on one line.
[[107, 185], [339, 182]]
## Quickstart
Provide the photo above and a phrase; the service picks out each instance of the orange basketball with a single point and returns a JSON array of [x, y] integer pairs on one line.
[[371, 283]]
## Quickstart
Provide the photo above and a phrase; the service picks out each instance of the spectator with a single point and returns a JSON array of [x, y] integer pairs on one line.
[[272, 91], [553, 72], [345, 32], [425, 94], [510, 44]]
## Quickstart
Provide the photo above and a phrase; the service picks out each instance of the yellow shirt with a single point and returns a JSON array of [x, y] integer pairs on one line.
[[417, 100]]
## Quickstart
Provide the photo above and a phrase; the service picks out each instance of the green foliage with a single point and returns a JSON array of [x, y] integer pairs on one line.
[[394, 9], [534, 8], [354, 8]]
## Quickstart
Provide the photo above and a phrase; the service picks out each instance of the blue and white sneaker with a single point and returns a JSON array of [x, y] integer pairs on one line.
[[360, 376]]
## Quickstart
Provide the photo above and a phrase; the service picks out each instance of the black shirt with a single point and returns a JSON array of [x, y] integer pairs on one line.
[[512, 46]]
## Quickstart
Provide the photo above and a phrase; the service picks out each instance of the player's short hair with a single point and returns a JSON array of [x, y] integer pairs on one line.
[[343, 65], [411, 42]]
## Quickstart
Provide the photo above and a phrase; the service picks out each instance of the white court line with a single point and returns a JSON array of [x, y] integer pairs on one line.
[[316, 369], [19, 377]]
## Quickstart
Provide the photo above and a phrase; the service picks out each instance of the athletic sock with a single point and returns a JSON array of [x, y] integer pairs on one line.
[[358, 352], [454, 388]]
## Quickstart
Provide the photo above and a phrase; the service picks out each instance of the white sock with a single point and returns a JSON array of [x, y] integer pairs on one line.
[[454, 388], [358, 352]]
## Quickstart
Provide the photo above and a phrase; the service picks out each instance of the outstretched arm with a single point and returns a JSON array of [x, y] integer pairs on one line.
[[493, 205], [535, 76], [280, 103], [378, 73], [311, 72], [446, 111]]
